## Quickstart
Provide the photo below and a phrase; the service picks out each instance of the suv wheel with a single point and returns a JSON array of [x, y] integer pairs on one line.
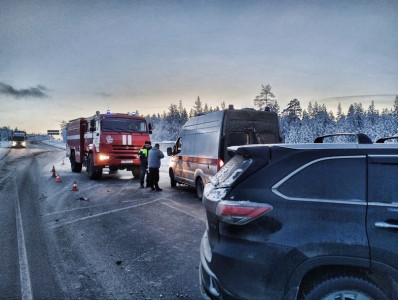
[[346, 288], [199, 188]]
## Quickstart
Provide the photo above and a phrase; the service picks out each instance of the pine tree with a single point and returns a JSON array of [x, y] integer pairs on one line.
[[340, 113], [198, 106], [293, 110], [395, 107], [265, 98]]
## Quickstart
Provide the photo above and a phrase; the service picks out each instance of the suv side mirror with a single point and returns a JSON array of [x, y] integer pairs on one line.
[[92, 125]]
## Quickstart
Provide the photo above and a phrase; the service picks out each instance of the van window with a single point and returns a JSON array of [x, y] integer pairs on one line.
[[177, 147], [238, 138], [206, 144], [266, 138], [330, 179], [189, 145]]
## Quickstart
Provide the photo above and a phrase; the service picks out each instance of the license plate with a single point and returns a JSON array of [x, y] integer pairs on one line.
[[127, 161]]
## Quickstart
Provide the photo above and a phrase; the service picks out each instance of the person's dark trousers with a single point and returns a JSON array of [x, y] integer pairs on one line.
[[142, 174], [154, 178]]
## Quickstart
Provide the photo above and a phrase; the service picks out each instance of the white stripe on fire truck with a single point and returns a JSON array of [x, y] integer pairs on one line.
[[130, 142], [124, 139]]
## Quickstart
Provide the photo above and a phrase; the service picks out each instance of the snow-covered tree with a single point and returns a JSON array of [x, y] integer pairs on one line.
[[198, 109], [265, 98], [293, 111]]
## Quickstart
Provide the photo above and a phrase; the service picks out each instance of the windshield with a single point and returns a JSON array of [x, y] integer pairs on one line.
[[123, 125]]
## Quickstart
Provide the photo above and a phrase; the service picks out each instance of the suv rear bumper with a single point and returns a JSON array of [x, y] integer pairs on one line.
[[210, 286]]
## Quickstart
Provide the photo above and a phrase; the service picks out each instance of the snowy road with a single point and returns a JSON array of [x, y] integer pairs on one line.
[[108, 240]]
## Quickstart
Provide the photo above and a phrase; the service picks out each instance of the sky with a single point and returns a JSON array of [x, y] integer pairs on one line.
[[60, 60]]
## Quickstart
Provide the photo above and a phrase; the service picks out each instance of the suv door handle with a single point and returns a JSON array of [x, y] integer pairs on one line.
[[386, 225]]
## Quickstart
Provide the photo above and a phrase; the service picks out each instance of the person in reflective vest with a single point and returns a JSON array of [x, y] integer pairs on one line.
[[143, 154]]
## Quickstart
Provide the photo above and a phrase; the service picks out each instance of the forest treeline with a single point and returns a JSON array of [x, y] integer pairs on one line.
[[297, 124]]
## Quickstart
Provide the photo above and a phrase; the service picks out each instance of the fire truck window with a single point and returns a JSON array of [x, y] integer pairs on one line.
[[123, 125]]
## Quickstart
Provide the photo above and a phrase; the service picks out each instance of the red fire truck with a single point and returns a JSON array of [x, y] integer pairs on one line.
[[106, 141]]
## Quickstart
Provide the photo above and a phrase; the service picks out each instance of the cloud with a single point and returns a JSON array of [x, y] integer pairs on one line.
[[104, 95], [35, 92]]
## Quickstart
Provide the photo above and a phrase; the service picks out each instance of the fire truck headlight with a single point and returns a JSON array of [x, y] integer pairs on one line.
[[24, 144], [103, 157]]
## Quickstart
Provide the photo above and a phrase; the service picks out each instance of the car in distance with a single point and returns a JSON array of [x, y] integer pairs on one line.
[[303, 221]]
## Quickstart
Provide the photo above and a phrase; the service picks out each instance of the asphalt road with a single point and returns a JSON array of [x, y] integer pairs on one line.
[[108, 240]]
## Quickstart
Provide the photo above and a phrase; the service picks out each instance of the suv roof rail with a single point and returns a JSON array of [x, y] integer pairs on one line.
[[382, 140], [362, 138]]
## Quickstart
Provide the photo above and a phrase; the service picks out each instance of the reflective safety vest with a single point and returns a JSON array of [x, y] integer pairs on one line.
[[144, 151]]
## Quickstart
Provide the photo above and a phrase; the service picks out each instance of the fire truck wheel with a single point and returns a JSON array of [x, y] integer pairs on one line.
[[136, 172], [93, 172], [76, 167]]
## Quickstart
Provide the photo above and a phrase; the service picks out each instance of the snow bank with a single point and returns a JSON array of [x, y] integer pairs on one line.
[[55, 143], [4, 145]]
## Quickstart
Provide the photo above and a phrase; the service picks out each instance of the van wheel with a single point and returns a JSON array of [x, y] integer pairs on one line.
[[93, 172], [173, 182], [199, 188], [345, 288], [76, 167]]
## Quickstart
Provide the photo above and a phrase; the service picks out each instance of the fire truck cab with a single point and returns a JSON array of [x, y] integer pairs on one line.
[[106, 141]]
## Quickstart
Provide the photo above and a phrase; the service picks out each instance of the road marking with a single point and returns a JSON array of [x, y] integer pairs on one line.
[[26, 287], [83, 208], [107, 212], [185, 212]]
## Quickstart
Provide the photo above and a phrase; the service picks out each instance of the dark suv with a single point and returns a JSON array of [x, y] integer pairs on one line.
[[303, 221]]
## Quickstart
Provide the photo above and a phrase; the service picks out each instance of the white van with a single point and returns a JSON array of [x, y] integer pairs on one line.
[[201, 149]]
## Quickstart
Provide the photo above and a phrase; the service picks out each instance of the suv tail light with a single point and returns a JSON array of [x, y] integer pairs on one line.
[[220, 164], [240, 212]]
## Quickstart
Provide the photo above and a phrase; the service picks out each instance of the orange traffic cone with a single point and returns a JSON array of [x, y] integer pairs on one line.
[[58, 179], [74, 188], [53, 170]]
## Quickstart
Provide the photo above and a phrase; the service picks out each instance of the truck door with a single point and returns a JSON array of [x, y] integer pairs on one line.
[[97, 135], [382, 222]]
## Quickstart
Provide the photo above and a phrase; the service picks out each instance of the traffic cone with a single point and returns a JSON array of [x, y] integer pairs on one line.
[[63, 163], [74, 188], [53, 170], [58, 179]]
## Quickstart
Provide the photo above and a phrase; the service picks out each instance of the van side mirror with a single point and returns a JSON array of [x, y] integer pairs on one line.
[[92, 125], [169, 151], [150, 128]]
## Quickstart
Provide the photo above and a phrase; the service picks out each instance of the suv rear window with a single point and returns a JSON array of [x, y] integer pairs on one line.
[[231, 171]]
